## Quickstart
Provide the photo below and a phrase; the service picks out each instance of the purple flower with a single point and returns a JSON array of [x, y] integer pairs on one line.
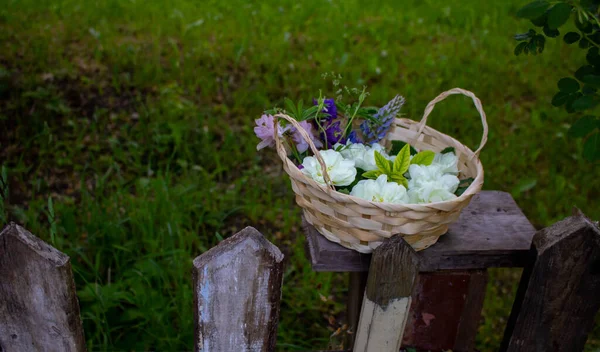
[[333, 132], [301, 144], [265, 130], [329, 108], [374, 132]]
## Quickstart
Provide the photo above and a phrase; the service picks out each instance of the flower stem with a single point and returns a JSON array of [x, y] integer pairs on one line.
[[321, 105], [361, 99], [294, 151]]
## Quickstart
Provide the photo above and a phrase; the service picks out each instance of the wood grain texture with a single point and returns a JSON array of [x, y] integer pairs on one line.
[[237, 290], [39, 310], [356, 291], [491, 232], [387, 298], [445, 311], [558, 296]]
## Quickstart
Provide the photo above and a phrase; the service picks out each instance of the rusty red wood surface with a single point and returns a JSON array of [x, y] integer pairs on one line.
[[446, 310]]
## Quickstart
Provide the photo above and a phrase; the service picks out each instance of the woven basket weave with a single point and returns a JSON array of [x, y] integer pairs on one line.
[[362, 225]]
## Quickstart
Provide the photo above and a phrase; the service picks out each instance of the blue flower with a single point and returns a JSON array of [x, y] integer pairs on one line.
[[374, 132], [354, 138]]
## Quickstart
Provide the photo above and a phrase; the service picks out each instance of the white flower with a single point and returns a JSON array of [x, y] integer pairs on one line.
[[363, 156], [380, 191], [341, 171], [448, 163], [429, 184]]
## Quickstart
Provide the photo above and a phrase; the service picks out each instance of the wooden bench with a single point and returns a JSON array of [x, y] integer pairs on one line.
[[449, 291]]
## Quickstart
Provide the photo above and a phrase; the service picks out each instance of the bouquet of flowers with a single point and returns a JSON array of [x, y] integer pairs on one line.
[[356, 162], [362, 174]]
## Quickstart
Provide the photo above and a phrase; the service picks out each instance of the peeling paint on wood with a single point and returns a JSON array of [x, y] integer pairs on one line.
[[387, 297]]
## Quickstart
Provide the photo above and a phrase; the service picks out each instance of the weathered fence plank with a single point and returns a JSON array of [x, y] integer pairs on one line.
[[237, 288], [384, 312], [39, 310], [557, 298]]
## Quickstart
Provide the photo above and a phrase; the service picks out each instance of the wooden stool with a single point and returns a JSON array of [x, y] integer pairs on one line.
[[448, 294]]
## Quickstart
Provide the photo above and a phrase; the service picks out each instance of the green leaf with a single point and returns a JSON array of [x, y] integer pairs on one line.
[[588, 90], [540, 41], [290, 106], [571, 100], [540, 21], [460, 190], [584, 43], [593, 80], [559, 14], [423, 158], [583, 126], [524, 185], [585, 27], [592, 56], [396, 147], [533, 10], [373, 174], [560, 98], [519, 48], [568, 85], [571, 37], [584, 103], [51, 208], [382, 163], [591, 148], [467, 181], [402, 161], [551, 32], [584, 71], [463, 186], [399, 179], [448, 150], [343, 190]]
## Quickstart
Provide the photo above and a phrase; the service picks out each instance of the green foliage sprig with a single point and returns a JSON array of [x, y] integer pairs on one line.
[[395, 170], [579, 93]]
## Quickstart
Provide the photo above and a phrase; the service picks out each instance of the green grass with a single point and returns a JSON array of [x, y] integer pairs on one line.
[[136, 119]]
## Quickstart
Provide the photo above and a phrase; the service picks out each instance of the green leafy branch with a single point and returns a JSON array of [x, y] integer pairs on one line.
[[579, 93], [395, 170]]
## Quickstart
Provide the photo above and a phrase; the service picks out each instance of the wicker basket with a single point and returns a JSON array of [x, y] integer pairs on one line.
[[362, 225]]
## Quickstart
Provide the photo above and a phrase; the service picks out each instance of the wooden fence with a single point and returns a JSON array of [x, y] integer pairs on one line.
[[237, 287]]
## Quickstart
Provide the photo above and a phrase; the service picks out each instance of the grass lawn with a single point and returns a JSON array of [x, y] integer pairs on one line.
[[135, 119]]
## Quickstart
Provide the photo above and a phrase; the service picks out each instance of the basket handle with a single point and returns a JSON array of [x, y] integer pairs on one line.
[[308, 140], [443, 96]]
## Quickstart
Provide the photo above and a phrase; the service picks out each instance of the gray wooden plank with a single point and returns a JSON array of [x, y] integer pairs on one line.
[[558, 296], [237, 289], [39, 310], [491, 232]]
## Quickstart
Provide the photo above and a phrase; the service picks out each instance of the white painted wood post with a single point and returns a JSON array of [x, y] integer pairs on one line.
[[386, 303], [237, 290]]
